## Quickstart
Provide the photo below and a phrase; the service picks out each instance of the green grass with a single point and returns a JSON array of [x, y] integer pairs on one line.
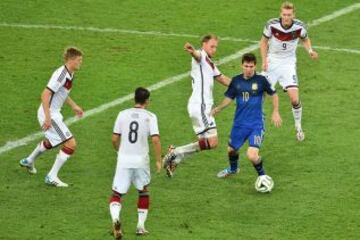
[[317, 186]]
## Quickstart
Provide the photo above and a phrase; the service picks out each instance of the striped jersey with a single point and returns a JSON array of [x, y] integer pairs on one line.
[[135, 125], [202, 74], [283, 41], [60, 85]]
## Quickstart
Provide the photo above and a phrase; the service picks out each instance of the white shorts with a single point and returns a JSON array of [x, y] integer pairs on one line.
[[284, 73], [58, 133], [203, 123], [124, 177]]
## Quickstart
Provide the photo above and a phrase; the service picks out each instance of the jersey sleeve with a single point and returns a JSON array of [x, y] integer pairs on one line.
[[268, 88], [303, 33], [231, 91], [154, 128], [216, 71], [117, 125], [56, 81], [267, 30]]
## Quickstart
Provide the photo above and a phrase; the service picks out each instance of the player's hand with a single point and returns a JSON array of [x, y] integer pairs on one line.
[[47, 124], [264, 66], [214, 111], [276, 119], [314, 55], [189, 48], [158, 167], [78, 111]]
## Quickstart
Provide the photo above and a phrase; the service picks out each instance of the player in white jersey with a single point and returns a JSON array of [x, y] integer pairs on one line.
[[203, 73], [278, 51], [56, 132], [132, 129]]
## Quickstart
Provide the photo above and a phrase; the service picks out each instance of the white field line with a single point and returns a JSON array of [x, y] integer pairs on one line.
[[115, 30], [161, 34], [23, 141]]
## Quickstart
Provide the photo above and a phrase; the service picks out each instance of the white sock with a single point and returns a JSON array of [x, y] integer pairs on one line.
[[61, 158], [115, 208], [297, 117], [36, 153], [186, 150], [142, 215]]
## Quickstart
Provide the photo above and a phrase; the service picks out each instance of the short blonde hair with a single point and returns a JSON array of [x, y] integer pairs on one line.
[[288, 5], [208, 37], [72, 52]]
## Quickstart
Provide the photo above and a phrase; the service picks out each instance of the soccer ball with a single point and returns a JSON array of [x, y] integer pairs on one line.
[[264, 184]]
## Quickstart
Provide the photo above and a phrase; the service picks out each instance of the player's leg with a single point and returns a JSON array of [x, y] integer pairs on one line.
[[205, 127], [68, 143], [121, 184], [143, 209], [141, 181], [40, 148], [291, 86], [115, 208], [237, 138], [297, 111], [29, 161], [64, 154], [255, 140]]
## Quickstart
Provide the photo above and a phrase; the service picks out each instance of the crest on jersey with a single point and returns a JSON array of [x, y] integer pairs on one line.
[[254, 87]]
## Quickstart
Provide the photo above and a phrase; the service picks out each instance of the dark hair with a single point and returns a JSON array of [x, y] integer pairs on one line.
[[141, 95], [248, 57], [208, 37]]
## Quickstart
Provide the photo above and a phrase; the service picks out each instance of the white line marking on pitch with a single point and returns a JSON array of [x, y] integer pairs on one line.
[[23, 141]]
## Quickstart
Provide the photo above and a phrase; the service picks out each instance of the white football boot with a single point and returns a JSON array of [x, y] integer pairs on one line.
[[55, 182], [29, 166]]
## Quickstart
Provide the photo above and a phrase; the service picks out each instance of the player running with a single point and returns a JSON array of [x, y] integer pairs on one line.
[[50, 118], [203, 73], [132, 128], [248, 89], [278, 52]]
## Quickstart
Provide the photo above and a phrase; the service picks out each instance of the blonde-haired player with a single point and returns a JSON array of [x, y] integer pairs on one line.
[[203, 73], [278, 51], [50, 118]]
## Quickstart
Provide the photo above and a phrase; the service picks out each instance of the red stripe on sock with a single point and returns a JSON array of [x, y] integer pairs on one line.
[[114, 198], [46, 144], [204, 144], [67, 150], [144, 202]]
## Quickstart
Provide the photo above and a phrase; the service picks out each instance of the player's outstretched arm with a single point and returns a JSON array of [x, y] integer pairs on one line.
[[157, 149], [45, 100], [307, 46], [115, 139], [226, 102], [78, 110], [275, 117], [193, 52], [264, 42], [224, 80]]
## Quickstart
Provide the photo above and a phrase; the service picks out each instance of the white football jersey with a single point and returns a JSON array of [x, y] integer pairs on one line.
[[283, 41], [60, 85], [202, 74], [135, 125]]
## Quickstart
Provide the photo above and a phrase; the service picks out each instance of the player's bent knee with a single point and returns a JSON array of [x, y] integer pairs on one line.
[[71, 143], [252, 155], [46, 143], [213, 142]]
